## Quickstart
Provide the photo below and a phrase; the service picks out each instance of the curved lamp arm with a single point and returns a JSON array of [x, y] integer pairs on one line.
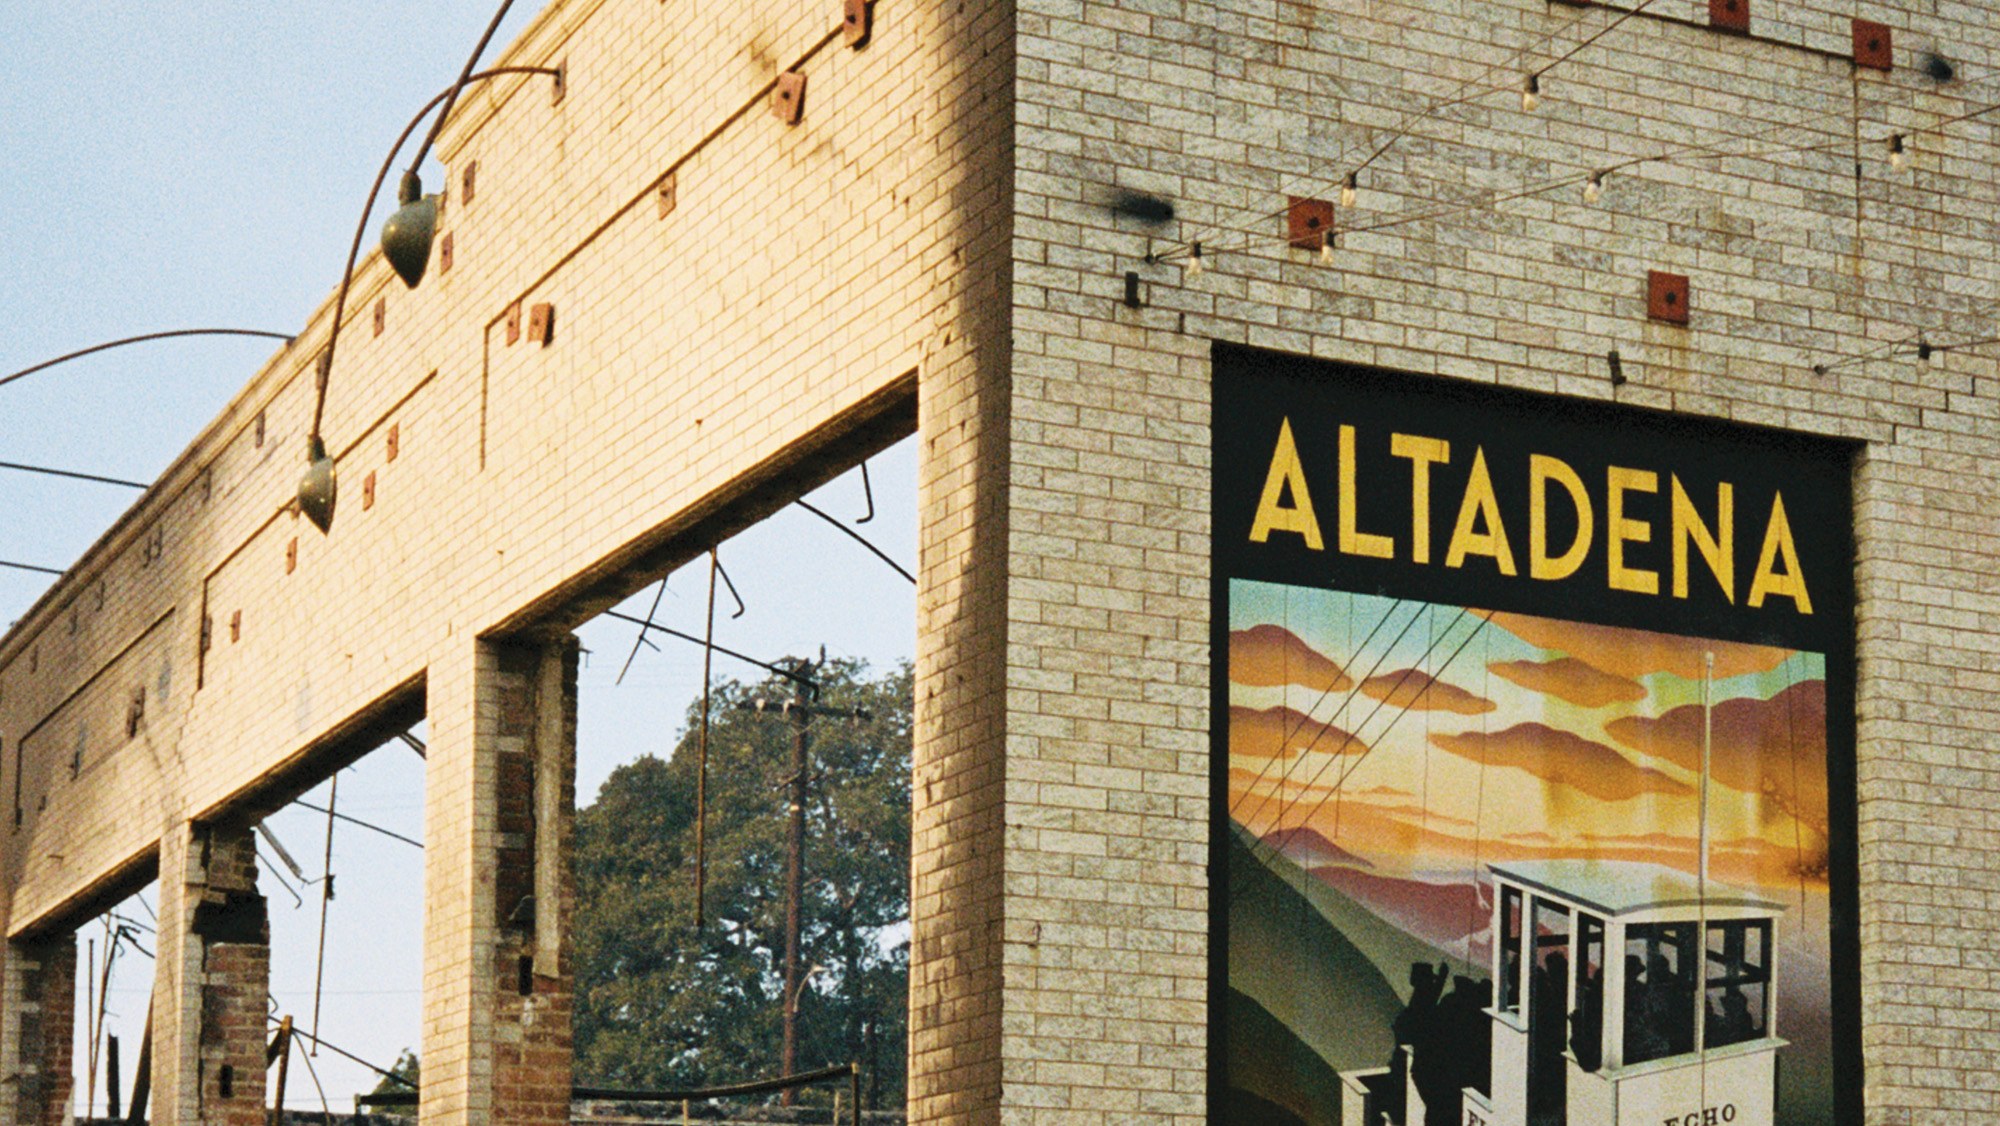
[[66, 357], [361, 229], [317, 486]]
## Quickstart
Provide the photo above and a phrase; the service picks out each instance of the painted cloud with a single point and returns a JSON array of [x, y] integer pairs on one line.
[[1284, 733], [1773, 747], [1560, 758], [1634, 653], [1416, 690], [1567, 678], [1269, 656]]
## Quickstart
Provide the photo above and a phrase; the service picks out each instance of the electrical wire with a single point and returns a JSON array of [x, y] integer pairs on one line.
[[1257, 237], [77, 476], [1354, 690], [858, 538], [639, 638], [1468, 91], [357, 821], [789, 674]]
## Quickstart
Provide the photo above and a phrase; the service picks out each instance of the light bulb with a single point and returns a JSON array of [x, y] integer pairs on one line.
[[1896, 151], [1326, 250], [1194, 262], [1593, 188], [1531, 93], [1349, 191]]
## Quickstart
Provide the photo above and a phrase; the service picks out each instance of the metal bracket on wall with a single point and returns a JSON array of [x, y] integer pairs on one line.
[[857, 21], [1308, 222], [1872, 45], [788, 97], [1667, 297]]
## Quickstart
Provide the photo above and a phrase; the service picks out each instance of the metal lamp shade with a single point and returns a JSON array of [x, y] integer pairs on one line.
[[406, 238], [317, 486]]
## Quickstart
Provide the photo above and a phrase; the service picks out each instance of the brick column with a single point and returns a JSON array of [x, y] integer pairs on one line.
[[499, 801], [211, 979], [37, 1028]]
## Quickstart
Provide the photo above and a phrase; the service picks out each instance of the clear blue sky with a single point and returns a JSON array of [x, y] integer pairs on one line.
[[204, 165]]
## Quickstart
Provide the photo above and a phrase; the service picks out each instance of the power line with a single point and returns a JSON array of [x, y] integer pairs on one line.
[[357, 821], [789, 674], [77, 476]]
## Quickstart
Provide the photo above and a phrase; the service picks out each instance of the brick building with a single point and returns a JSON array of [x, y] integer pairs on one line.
[[747, 247]]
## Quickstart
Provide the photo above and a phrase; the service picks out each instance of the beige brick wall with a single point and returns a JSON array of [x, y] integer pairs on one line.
[[941, 210], [706, 362], [702, 362], [1795, 259]]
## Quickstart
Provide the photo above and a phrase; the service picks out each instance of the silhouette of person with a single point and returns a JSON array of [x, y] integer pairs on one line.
[[1586, 1024], [1414, 1029], [1732, 1022]]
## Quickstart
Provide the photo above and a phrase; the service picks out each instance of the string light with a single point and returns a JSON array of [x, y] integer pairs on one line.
[[1593, 188], [1896, 151], [1350, 190], [1194, 262], [1531, 92], [1326, 249]]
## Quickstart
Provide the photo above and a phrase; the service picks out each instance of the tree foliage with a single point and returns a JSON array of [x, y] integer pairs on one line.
[[660, 1003]]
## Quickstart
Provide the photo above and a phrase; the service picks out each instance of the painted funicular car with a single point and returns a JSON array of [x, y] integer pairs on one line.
[[1628, 994]]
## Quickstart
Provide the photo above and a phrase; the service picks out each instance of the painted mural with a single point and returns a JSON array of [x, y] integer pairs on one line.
[[1534, 761], [1392, 762]]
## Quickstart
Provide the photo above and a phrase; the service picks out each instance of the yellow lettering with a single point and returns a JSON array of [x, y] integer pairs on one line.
[[1791, 584], [1286, 471], [1421, 452], [1480, 502], [1542, 470], [1619, 531], [1718, 546], [1352, 540]]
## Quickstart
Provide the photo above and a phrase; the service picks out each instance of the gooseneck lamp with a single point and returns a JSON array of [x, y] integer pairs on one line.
[[406, 243]]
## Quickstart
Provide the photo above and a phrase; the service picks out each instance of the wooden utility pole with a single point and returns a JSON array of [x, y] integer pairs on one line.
[[800, 710], [795, 847]]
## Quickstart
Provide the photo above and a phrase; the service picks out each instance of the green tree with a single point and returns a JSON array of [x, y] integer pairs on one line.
[[660, 1003], [404, 1075]]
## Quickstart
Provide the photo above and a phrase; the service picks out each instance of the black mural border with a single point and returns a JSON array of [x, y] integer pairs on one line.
[[1229, 360]]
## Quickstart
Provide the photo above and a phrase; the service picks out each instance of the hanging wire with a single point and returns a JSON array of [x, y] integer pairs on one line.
[[325, 901], [324, 1107], [639, 638], [303, 804], [787, 673], [1255, 237], [71, 474], [1477, 628], [858, 538], [1479, 819], [81, 352], [1467, 91]]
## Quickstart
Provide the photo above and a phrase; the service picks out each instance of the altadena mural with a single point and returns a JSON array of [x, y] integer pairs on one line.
[[1526, 857]]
